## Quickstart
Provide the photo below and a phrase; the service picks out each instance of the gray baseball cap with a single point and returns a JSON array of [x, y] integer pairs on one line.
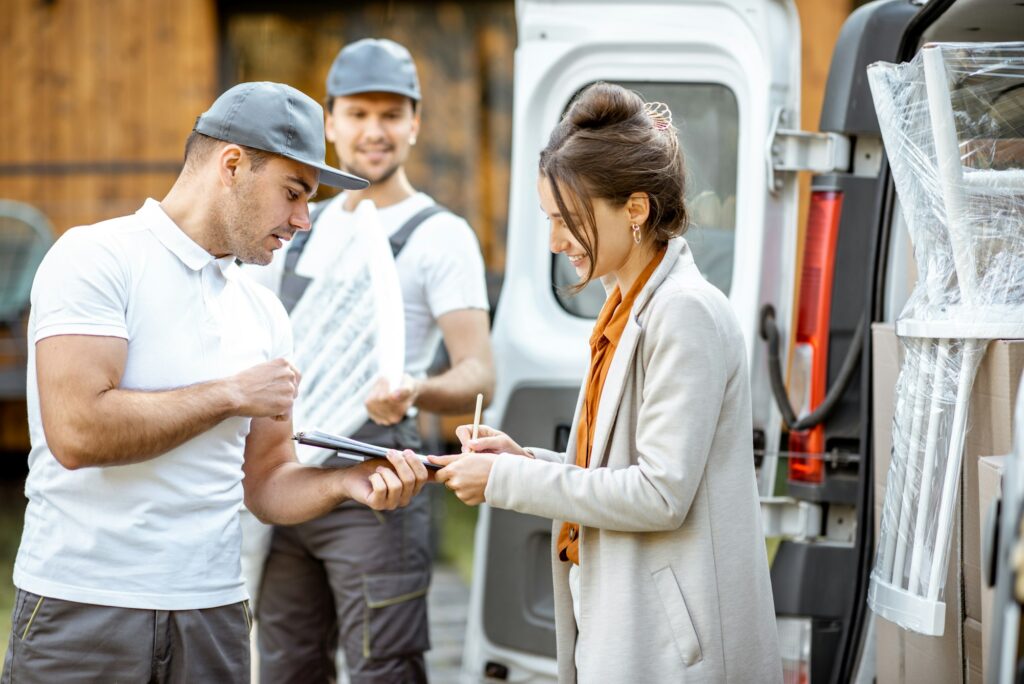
[[275, 118], [373, 65]]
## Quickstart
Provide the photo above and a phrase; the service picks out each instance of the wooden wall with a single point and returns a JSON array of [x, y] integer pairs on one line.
[[99, 96]]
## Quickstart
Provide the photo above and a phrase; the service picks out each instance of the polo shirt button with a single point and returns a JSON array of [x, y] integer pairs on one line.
[[572, 534]]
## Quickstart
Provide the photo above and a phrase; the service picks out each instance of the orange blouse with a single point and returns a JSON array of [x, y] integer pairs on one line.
[[603, 341]]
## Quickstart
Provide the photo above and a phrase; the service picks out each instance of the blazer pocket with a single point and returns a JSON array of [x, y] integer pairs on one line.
[[678, 616]]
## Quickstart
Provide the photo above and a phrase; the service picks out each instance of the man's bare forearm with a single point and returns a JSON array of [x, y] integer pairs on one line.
[[128, 426], [294, 493], [455, 390]]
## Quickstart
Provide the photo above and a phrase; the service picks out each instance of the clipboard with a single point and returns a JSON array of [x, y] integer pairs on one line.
[[349, 448]]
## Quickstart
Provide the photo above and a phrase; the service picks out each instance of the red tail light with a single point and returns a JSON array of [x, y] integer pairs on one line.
[[810, 357]]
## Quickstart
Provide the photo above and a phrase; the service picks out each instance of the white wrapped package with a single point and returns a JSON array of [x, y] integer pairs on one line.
[[952, 121]]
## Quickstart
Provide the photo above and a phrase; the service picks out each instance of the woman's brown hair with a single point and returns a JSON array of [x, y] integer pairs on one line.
[[609, 146]]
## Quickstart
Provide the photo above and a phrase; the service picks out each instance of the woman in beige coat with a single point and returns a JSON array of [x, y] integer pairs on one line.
[[660, 569]]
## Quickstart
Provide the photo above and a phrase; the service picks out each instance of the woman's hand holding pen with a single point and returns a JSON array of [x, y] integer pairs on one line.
[[467, 473], [488, 441]]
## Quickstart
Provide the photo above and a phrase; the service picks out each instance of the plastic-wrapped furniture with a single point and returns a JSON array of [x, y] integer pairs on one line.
[[952, 122], [25, 235]]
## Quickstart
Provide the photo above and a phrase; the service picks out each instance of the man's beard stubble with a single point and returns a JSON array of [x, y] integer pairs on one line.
[[237, 225], [382, 178]]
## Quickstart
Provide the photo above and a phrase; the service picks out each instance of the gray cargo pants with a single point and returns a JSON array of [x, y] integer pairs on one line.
[[353, 579], [63, 641]]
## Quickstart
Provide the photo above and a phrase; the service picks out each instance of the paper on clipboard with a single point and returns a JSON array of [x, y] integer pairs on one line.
[[349, 329], [348, 448]]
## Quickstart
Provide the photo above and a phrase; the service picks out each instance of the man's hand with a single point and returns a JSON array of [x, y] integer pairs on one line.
[[384, 487], [465, 474], [489, 441], [388, 407], [267, 389]]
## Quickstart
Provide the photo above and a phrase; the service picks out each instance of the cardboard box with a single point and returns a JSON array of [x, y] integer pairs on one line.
[[889, 648], [885, 367], [904, 656], [974, 665], [988, 434], [990, 488]]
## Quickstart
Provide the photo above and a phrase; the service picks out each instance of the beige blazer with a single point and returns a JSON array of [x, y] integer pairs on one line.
[[674, 583]]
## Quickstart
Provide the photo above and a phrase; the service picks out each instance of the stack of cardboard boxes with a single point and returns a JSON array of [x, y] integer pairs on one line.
[[961, 653]]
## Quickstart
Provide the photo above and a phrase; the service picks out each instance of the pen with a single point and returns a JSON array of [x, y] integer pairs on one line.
[[476, 416]]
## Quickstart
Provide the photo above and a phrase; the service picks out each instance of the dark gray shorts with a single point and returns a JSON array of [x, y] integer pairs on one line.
[[63, 641]]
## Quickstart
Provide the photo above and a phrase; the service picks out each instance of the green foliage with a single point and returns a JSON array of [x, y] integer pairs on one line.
[[12, 514], [457, 523]]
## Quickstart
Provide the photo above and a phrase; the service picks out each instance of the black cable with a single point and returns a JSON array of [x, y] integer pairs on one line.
[[770, 333]]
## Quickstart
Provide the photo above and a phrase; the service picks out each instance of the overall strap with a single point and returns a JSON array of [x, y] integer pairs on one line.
[[293, 285], [402, 235]]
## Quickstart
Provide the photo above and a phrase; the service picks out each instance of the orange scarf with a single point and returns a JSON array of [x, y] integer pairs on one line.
[[611, 322]]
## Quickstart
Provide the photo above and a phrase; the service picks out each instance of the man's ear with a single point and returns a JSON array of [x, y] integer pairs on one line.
[[415, 132], [229, 162], [329, 127], [638, 206]]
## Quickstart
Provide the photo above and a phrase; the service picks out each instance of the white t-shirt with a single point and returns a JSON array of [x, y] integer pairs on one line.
[[440, 269], [162, 534]]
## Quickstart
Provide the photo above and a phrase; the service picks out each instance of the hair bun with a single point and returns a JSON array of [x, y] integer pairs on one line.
[[603, 105]]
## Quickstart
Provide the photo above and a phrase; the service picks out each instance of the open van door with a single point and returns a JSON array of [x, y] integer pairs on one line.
[[729, 71]]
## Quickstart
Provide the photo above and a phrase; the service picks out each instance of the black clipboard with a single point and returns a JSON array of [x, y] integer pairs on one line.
[[349, 448]]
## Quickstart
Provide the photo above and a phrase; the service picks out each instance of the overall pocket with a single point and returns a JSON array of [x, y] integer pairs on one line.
[[395, 614], [683, 633]]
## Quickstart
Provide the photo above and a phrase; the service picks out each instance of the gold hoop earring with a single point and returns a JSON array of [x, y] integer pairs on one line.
[[636, 233]]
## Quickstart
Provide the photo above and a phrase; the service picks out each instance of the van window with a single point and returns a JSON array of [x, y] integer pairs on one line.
[[707, 118]]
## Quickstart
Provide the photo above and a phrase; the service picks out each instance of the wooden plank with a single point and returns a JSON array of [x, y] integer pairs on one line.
[[83, 93]]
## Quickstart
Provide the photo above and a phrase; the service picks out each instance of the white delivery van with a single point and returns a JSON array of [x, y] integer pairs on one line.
[[729, 70]]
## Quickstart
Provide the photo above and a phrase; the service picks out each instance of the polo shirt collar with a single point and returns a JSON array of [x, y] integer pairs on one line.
[[225, 262], [175, 240]]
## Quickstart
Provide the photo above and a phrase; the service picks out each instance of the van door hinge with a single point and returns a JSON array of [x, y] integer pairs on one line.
[[794, 150]]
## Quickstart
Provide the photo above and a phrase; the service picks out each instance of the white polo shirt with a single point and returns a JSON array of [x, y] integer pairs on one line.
[[162, 534]]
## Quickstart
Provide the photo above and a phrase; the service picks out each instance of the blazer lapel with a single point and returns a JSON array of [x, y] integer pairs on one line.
[[611, 393], [615, 381]]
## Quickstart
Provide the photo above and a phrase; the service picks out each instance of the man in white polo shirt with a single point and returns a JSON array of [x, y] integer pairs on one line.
[[157, 381]]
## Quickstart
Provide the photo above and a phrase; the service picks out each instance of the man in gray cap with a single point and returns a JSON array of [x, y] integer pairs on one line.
[[157, 379], [353, 573]]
